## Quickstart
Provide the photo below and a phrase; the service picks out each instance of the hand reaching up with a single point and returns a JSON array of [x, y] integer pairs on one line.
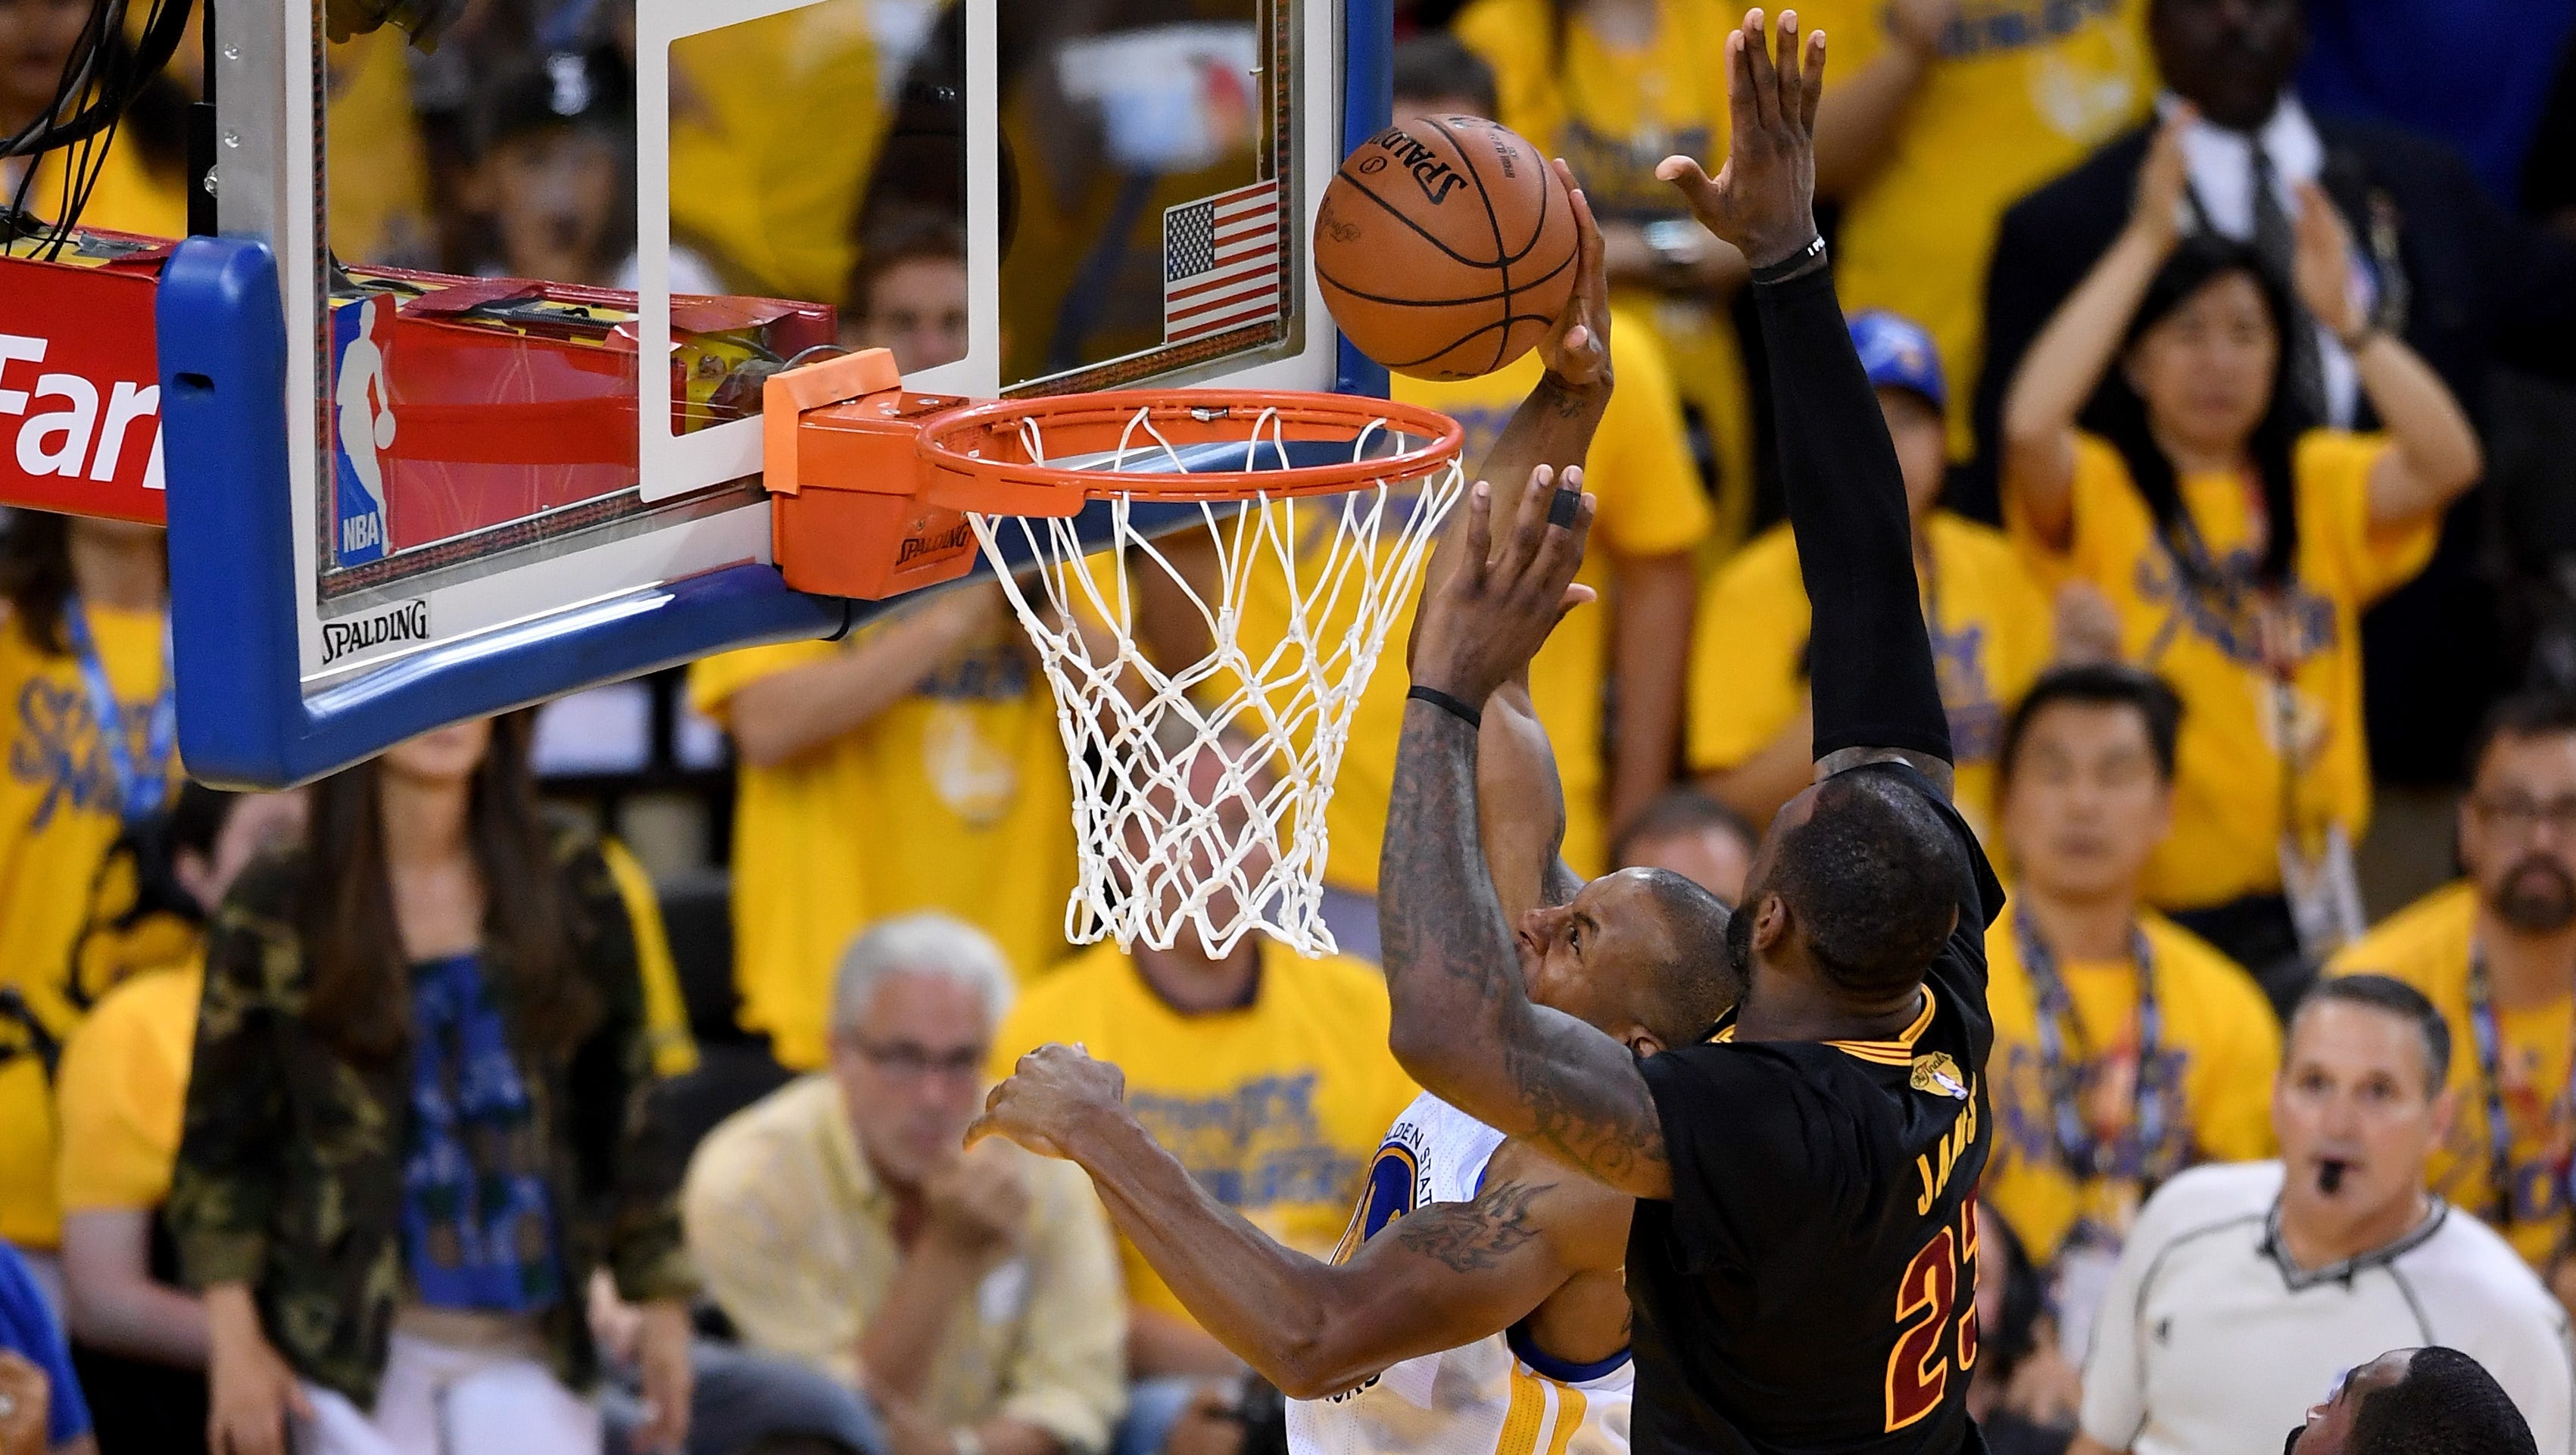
[[1577, 347], [1484, 619], [1764, 199], [2324, 264]]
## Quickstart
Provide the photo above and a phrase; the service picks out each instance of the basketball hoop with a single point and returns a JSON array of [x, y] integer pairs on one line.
[[1199, 788]]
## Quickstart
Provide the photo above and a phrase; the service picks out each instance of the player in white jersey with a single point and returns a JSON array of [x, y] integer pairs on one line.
[[1477, 1304], [1498, 1395]]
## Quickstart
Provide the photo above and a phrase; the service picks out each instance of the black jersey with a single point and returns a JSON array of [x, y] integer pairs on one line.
[[1811, 1286]]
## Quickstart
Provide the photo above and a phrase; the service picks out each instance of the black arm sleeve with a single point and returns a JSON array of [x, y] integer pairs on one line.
[[1870, 659]]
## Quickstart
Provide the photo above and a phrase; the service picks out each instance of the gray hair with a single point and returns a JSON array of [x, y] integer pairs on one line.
[[926, 943]]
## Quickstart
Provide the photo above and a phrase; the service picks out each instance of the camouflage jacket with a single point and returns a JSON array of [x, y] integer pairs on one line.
[[289, 1175]]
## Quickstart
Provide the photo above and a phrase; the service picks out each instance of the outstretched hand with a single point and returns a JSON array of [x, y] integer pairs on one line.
[[1576, 350], [2324, 264], [1484, 619], [1764, 199], [1053, 1092]]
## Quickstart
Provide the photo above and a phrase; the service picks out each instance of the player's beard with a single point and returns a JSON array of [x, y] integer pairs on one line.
[[2290, 1446], [2537, 896], [1739, 945]]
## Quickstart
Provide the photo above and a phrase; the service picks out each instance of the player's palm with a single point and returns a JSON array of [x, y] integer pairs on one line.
[[1763, 199]]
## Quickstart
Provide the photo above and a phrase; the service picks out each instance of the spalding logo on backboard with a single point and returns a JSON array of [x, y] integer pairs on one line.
[[363, 428]]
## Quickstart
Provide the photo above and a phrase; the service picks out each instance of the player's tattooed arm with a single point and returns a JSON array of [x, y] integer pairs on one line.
[[1520, 805], [1440, 1276], [1463, 1025]]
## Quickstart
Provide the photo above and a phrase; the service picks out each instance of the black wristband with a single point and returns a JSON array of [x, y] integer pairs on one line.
[[1448, 704], [1805, 260]]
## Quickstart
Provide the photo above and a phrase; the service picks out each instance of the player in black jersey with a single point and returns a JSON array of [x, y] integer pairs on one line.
[[1803, 1256]]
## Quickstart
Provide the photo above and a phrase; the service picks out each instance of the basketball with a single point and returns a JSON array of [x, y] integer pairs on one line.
[[1445, 247]]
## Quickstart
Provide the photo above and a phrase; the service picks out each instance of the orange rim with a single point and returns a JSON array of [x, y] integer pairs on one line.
[[980, 457]]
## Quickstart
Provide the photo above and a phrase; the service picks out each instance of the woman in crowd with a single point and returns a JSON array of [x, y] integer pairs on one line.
[[2235, 546], [408, 1138], [90, 758]]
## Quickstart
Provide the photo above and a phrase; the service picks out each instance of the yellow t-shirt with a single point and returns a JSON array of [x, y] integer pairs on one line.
[[379, 170], [59, 808], [1992, 638], [775, 124], [955, 798], [1650, 504], [2228, 783], [129, 196], [1613, 113], [1274, 1108], [122, 1089], [123, 1085], [2427, 946], [2023, 91], [2217, 1054]]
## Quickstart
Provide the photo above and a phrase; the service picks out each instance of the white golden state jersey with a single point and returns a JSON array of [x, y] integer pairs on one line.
[[1501, 1395]]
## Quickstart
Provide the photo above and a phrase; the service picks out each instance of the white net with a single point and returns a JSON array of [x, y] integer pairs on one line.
[[1199, 788]]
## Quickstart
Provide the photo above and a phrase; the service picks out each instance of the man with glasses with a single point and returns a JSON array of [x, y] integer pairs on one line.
[[2247, 1290], [972, 1296], [2497, 953]]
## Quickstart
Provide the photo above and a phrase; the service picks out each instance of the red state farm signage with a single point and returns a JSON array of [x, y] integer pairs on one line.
[[80, 390]]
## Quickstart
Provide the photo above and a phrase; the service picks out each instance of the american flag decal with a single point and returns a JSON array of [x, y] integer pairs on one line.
[[1221, 262]]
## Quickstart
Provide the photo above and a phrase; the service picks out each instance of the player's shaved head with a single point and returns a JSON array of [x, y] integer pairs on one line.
[[1695, 981], [1871, 876]]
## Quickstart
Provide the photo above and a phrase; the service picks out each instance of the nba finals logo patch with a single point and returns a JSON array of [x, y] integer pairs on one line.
[[362, 427], [1939, 1075]]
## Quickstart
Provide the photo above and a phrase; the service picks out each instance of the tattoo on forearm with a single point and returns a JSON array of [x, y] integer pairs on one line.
[[1467, 1237], [1450, 960]]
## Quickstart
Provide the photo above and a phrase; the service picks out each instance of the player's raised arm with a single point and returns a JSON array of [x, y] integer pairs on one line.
[[1463, 1025], [1445, 1275], [1871, 659], [1520, 799]]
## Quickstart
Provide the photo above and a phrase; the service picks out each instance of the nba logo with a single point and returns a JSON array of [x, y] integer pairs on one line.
[[363, 427]]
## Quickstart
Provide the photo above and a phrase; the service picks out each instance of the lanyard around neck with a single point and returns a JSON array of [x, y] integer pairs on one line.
[[2140, 1152], [140, 789], [2488, 1032]]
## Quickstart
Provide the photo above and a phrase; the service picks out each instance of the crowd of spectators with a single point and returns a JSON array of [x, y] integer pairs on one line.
[[2220, 343]]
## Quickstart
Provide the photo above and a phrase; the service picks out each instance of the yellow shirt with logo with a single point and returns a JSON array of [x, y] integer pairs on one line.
[[123, 1085], [954, 798], [2218, 1051], [1650, 504], [2427, 946], [1275, 1108], [1614, 112], [2023, 91], [59, 815], [2228, 790], [1992, 635]]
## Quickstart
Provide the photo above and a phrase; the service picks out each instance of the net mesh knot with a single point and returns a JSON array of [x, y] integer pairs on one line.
[[1200, 788]]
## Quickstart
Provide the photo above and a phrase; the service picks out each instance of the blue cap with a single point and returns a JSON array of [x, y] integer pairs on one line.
[[1898, 354]]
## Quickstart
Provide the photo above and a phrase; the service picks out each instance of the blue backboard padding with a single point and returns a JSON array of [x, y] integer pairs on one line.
[[1368, 100], [244, 720]]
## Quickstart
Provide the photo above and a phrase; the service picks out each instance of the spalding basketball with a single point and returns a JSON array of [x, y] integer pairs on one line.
[[1445, 247]]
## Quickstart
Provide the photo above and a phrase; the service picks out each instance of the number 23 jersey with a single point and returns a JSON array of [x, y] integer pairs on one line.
[[1811, 1286], [1500, 1395]]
